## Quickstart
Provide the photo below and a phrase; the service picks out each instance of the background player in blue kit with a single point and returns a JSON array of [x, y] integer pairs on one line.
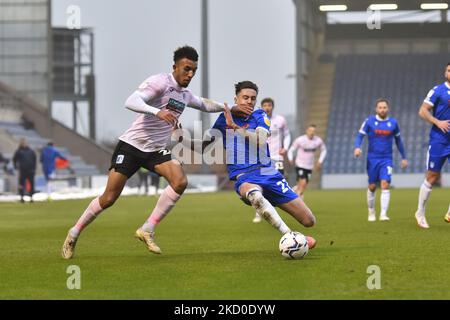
[[438, 100], [380, 131], [248, 162]]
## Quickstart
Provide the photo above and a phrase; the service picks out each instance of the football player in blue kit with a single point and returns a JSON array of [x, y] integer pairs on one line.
[[380, 130], [258, 183], [436, 110]]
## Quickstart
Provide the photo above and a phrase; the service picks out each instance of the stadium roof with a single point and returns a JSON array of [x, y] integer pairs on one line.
[[363, 5]]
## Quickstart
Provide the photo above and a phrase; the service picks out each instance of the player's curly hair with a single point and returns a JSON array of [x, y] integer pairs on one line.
[[185, 52], [245, 85]]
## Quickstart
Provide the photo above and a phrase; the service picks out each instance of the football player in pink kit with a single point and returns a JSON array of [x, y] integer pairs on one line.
[[160, 100], [279, 139], [306, 145]]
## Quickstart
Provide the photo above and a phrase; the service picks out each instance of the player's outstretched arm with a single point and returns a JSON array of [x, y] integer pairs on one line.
[[136, 102], [208, 105], [258, 137], [424, 113]]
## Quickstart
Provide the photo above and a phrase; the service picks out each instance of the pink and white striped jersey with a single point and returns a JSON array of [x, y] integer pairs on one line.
[[280, 137], [306, 148], [148, 133]]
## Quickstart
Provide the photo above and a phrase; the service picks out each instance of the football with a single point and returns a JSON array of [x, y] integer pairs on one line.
[[293, 245]]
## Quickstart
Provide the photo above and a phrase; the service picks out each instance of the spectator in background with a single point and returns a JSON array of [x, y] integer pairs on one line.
[[24, 161], [143, 179], [155, 178], [49, 156]]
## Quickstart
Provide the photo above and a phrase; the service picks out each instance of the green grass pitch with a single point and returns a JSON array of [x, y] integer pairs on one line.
[[212, 250]]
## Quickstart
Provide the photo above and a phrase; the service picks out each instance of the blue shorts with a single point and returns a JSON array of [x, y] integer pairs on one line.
[[275, 187], [379, 169], [438, 153]]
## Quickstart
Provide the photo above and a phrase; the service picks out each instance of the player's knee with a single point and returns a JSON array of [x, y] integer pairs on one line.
[[180, 185], [309, 221], [107, 200], [432, 178]]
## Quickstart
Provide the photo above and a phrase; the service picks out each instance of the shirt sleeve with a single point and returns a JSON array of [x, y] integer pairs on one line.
[[263, 122], [432, 97], [220, 123], [151, 87], [203, 104], [286, 135], [396, 130], [364, 127], [292, 149], [323, 151]]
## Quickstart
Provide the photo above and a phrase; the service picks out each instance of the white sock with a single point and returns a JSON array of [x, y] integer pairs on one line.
[[266, 210], [424, 194], [370, 199], [384, 199]]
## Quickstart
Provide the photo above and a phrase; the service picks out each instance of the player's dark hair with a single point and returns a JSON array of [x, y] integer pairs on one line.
[[382, 100], [185, 52], [448, 64], [245, 85], [312, 125], [268, 100]]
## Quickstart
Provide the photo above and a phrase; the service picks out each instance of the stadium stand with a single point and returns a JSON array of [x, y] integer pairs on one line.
[[18, 117], [359, 80]]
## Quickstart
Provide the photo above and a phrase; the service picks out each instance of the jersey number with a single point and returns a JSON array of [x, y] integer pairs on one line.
[[284, 185], [389, 170]]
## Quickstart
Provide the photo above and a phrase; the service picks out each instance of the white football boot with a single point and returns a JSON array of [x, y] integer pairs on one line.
[[421, 221], [372, 215]]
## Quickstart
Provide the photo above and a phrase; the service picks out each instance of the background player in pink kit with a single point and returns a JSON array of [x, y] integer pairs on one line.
[[160, 100], [279, 139], [436, 110], [305, 146]]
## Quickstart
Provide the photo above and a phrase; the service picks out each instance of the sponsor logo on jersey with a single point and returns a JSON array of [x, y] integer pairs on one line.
[[379, 132], [376, 123], [309, 149], [120, 158], [175, 105], [389, 124]]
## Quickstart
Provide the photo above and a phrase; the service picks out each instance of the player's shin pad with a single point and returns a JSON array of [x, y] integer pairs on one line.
[[266, 210]]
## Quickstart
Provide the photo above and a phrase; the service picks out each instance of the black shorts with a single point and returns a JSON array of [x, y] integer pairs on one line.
[[127, 159], [303, 173]]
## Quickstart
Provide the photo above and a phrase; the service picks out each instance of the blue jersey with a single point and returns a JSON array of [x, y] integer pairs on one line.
[[439, 98], [48, 158], [380, 134], [242, 156]]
